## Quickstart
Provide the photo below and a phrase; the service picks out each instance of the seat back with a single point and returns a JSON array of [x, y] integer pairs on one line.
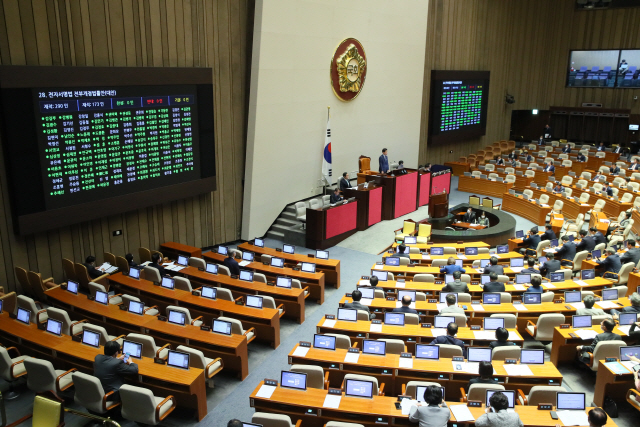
[[421, 296], [412, 388], [605, 349], [69, 269], [479, 391], [5, 365], [23, 279], [47, 412], [509, 319], [358, 377], [461, 319], [464, 297], [543, 394], [104, 336], [236, 325], [362, 315], [29, 304], [424, 278], [88, 392], [584, 198], [269, 302], [411, 319], [197, 359], [546, 323], [149, 347], [547, 296], [267, 419], [528, 193], [544, 199], [342, 341], [82, 275], [9, 302], [566, 180], [223, 269], [301, 209], [448, 351], [182, 283], [557, 206], [122, 264], [152, 274], [622, 290], [61, 316], [623, 274], [506, 352], [315, 375], [144, 254], [138, 404], [315, 204], [95, 287], [197, 262], [109, 257], [37, 287], [183, 310], [393, 346], [41, 377], [505, 298], [226, 295]]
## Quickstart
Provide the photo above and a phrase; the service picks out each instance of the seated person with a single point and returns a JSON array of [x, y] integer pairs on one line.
[[536, 285], [401, 251], [549, 234], [451, 267], [581, 158], [607, 335], [587, 243], [401, 169], [406, 306], [485, 370], [611, 264], [356, 296], [493, 266], [493, 285], [531, 240], [597, 236], [635, 166], [634, 299], [129, 258], [567, 251], [558, 188], [632, 254], [450, 338], [457, 285], [528, 157], [551, 266], [433, 411], [614, 169], [499, 161], [600, 147], [373, 281], [588, 309], [156, 262], [111, 369], [502, 339], [599, 176], [94, 272], [483, 220], [513, 155], [232, 264], [452, 307], [622, 224], [598, 417], [497, 415], [549, 167], [335, 197], [607, 189], [531, 269], [566, 149]]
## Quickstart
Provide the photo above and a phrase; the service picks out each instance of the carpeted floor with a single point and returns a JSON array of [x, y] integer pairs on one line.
[[230, 397]]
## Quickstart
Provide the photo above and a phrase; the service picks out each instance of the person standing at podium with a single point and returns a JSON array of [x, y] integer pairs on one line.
[[344, 181], [383, 161]]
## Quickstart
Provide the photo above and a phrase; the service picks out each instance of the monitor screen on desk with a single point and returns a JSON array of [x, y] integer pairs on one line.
[[258, 242], [136, 307], [570, 401], [596, 254], [176, 317], [167, 282], [437, 251], [212, 268], [322, 254], [134, 273], [308, 267], [374, 347], [223, 250], [246, 275], [367, 292], [628, 318], [491, 298], [609, 294], [516, 262], [588, 274], [627, 352], [420, 393], [519, 234], [283, 282], [254, 301], [479, 354], [484, 278], [471, 251], [54, 327], [277, 262], [427, 352], [459, 263], [102, 297], [572, 296], [23, 315], [356, 388], [91, 338], [581, 321], [209, 292], [183, 260], [554, 242], [523, 278], [348, 314], [492, 323], [247, 256], [288, 249], [326, 342], [394, 319], [502, 249], [411, 294], [221, 327], [556, 277], [295, 380], [443, 321], [511, 396], [532, 357], [72, 287], [133, 348], [178, 359], [381, 275], [392, 260], [484, 262], [542, 260], [531, 298], [443, 296], [410, 240]]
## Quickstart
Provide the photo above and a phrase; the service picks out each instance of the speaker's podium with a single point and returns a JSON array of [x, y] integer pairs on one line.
[[439, 205]]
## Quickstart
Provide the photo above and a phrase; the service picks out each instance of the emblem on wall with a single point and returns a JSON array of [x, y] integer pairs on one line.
[[348, 69]]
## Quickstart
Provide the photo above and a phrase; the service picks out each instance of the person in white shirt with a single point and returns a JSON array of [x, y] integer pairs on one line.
[[588, 309], [451, 307]]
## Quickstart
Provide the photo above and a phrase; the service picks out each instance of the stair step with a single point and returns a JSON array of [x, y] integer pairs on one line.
[[287, 222], [275, 235], [282, 228], [290, 216]]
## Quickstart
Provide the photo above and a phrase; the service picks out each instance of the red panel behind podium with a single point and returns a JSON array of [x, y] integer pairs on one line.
[[441, 182], [375, 206], [425, 188], [341, 219], [406, 194]]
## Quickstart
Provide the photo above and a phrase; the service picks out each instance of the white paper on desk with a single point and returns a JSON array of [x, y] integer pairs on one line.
[[585, 334], [244, 263], [378, 267], [167, 264], [375, 328], [406, 404], [332, 401], [477, 307], [462, 257], [606, 221], [577, 305], [629, 365], [518, 370], [513, 336], [351, 357], [301, 351], [146, 263], [426, 256], [573, 418], [400, 284], [472, 367], [436, 332], [480, 270], [519, 287], [548, 286], [581, 282], [544, 205], [364, 282], [405, 362], [462, 413], [584, 204], [329, 323], [266, 391], [484, 335], [520, 307], [625, 329], [516, 269], [366, 301], [607, 304]]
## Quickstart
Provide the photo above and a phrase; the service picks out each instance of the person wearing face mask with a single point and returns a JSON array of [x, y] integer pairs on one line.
[[483, 220]]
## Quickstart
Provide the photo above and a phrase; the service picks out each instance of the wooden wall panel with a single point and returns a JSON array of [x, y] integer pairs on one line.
[[525, 44], [160, 33]]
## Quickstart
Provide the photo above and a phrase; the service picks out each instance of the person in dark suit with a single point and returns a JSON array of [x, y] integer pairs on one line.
[[232, 264], [427, 167], [634, 299], [457, 285], [493, 285], [485, 370], [94, 272], [451, 267], [618, 149], [499, 161], [607, 189], [597, 236], [400, 170], [558, 188], [514, 163], [632, 254], [335, 197], [110, 368], [600, 147], [528, 157], [406, 303], [469, 217], [606, 335], [541, 140], [401, 251], [373, 281], [513, 155], [566, 149], [552, 265], [550, 167], [493, 266], [536, 285], [587, 243], [549, 234], [531, 269], [502, 339], [344, 181], [611, 264], [614, 169], [356, 296], [129, 258], [531, 241], [450, 338], [581, 158], [568, 249], [383, 162], [546, 132], [156, 262], [599, 176], [635, 165]]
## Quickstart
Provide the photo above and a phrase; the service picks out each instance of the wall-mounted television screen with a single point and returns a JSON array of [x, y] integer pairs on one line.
[[612, 68], [458, 107]]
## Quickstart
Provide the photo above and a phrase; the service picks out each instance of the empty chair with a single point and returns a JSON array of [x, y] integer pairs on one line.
[[267, 419], [584, 198], [408, 229], [140, 405], [122, 264], [316, 377], [528, 193], [411, 388], [547, 296], [144, 254], [509, 319], [269, 302], [69, 269], [223, 269], [421, 296], [424, 278], [464, 297], [198, 360], [343, 342], [505, 298], [585, 176], [411, 319], [315, 204], [226, 295], [394, 346], [42, 377], [540, 394], [104, 336], [38, 287], [424, 232], [543, 329], [509, 171], [90, 394], [326, 200], [11, 368], [438, 263], [197, 262], [376, 390], [566, 180], [362, 315], [182, 283], [236, 328], [413, 249], [9, 302], [301, 211], [83, 277], [38, 314], [479, 392], [503, 278], [544, 199], [109, 257], [68, 326], [622, 290], [490, 168], [152, 274], [95, 287], [187, 314], [448, 250], [448, 351], [23, 279], [506, 352], [149, 347], [264, 258], [151, 311], [461, 319]]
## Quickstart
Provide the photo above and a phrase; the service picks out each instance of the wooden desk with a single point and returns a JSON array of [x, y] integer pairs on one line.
[[521, 181], [395, 377], [563, 346], [458, 168], [484, 187], [315, 281], [408, 271], [173, 249], [611, 385], [635, 215], [570, 209], [232, 349], [525, 208], [458, 246], [330, 267], [380, 410], [188, 386], [633, 283], [468, 226], [266, 321], [611, 208], [594, 221], [468, 259]]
